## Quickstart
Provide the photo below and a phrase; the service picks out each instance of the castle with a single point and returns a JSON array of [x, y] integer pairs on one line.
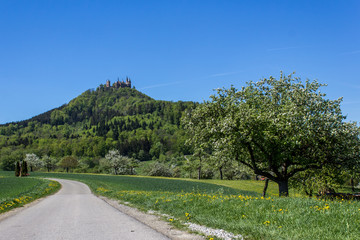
[[118, 84]]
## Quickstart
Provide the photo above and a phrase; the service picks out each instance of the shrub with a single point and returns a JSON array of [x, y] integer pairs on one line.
[[159, 169]]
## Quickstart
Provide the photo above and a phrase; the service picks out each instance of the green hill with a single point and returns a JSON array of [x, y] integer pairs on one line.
[[95, 122]]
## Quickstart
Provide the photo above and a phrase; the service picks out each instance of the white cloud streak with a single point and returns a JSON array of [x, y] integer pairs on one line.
[[223, 74], [161, 85]]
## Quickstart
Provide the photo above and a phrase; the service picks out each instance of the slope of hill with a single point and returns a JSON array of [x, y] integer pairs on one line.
[[95, 122]]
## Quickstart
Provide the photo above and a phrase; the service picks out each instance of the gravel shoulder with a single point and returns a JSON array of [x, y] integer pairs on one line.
[[153, 221]]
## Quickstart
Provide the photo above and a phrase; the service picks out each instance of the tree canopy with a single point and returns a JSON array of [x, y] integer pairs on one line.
[[33, 161], [68, 162], [277, 128]]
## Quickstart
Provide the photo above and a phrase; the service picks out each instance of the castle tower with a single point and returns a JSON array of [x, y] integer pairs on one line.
[[119, 84], [128, 82]]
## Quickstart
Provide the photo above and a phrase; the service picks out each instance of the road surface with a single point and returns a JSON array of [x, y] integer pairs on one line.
[[74, 213]]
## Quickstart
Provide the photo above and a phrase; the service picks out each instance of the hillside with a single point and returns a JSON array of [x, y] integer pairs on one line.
[[95, 122]]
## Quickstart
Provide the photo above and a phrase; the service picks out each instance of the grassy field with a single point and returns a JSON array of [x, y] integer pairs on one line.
[[15, 192], [236, 211], [244, 185]]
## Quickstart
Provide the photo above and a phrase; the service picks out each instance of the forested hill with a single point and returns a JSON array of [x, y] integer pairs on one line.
[[97, 121]]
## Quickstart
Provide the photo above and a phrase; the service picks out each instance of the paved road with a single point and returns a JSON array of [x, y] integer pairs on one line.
[[74, 213]]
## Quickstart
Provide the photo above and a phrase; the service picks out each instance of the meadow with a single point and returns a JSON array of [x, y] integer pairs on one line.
[[234, 210], [16, 192]]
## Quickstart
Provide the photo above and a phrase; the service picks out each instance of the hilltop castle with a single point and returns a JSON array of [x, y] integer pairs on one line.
[[118, 84]]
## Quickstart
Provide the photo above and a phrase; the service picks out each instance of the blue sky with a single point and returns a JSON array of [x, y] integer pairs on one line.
[[52, 51]]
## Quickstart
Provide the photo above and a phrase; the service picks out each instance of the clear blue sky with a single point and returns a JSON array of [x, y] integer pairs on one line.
[[52, 51]]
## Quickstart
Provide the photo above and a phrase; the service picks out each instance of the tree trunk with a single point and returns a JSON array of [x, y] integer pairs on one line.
[[31, 168], [283, 188], [221, 173], [265, 187], [352, 184], [67, 170], [199, 169]]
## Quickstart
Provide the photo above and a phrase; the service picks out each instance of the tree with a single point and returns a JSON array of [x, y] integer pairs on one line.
[[132, 164], [17, 169], [48, 162], [277, 128], [120, 164], [196, 124], [68, 162], [24, 169], [33, 160]]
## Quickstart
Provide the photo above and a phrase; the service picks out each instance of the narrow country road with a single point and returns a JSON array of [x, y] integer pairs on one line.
[[74, 213]]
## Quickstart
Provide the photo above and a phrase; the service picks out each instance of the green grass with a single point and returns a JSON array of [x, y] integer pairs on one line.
[[136, 183], [16, 192], [236, 211], [246, 185]]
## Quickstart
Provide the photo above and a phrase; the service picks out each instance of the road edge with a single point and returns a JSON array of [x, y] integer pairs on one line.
[[17, 210], [152, 221]]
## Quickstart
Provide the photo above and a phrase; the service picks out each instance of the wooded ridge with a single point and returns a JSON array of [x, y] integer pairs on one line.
[[94, 123]]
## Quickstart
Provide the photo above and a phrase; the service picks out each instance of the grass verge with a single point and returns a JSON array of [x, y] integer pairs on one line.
[[230, 209], [16, 192]]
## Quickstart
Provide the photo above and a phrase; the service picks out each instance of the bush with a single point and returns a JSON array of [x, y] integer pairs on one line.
[[159, 169], [207, 174]]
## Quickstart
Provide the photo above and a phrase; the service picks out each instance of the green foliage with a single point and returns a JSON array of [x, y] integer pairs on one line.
[[17, 169], [319, 182], [121, 165], [49, 163], [68, 162], [8, 158], [277, 128], [159, 169], [96, 122], [24, 169]]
